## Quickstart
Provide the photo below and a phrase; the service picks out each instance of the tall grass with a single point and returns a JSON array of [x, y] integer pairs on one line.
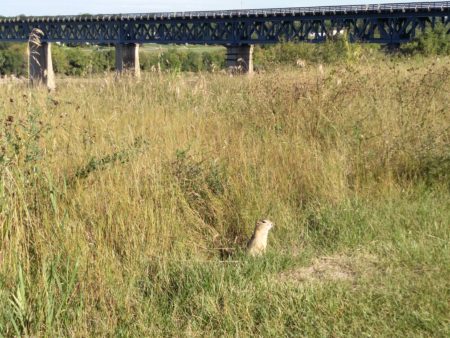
[[116, 199]]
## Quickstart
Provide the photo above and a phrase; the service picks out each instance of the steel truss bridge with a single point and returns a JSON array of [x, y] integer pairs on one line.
[[387, 23]]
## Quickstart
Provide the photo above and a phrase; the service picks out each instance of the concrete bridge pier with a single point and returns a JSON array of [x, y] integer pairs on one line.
[[127, 59], [240, 59], [40, 64]]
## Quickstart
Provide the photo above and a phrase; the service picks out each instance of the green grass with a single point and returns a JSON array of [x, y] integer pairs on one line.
[[194, 48], [157, 48], [117, 196]]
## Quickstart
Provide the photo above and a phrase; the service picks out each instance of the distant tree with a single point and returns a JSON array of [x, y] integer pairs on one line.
[[13, 59]]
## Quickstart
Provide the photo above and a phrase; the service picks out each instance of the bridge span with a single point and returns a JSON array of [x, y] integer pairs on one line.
[[237, 30]]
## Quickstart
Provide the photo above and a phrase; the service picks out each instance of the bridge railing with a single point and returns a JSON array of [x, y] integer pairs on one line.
[[300, 10], [317, 10]]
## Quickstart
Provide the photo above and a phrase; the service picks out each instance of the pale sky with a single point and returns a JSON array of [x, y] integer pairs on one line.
[[56, 7]]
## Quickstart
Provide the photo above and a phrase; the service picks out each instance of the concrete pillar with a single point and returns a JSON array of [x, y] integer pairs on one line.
[[127, 59], [240, 59], [40, 64]]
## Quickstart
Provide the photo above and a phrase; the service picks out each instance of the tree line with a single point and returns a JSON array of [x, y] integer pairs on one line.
[[88, 60]]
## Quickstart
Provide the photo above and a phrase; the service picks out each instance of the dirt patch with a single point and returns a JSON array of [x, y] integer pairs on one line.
[[333, 268]]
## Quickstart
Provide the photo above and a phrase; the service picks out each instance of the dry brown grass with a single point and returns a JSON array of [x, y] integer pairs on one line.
[[107, 186], [332, 268]]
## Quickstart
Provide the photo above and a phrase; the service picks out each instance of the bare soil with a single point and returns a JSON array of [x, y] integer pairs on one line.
[[332, 268]]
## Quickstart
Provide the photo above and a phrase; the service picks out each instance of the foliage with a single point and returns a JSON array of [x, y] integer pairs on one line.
[[60, 60], [12, 59], [177, 60], [431, 42], [102, 61], [336, 49], [77, 61]]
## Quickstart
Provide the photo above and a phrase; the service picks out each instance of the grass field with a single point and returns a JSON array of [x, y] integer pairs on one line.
[[156, 48], [116, 198], [195, 48]]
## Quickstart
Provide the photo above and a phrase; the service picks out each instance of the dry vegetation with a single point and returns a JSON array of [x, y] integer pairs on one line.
[[117, 196]]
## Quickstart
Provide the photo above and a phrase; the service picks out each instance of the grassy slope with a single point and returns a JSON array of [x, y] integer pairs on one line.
[[115, 197]]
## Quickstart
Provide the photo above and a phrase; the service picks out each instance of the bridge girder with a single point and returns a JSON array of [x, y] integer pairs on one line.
[[234, 28]]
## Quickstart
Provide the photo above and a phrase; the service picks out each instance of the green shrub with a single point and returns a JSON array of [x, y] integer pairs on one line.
[[431, 42], [192, 62], [171, 59], [337, 49], [213, 60], [78, 62], [177, 60], [149, 61], [102, 61], [12, 59], [284, 53], [60, 60]]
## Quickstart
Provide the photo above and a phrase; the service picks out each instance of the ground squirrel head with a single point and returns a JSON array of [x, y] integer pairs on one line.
[[258, 243], [263, 225]]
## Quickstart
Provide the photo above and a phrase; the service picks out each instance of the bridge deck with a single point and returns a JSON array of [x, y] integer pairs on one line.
[[412, 7]]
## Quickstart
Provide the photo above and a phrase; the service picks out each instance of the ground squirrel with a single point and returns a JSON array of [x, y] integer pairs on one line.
[[258, 243]]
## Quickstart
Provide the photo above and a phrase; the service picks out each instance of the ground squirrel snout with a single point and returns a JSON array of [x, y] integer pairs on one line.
[[258, 243]]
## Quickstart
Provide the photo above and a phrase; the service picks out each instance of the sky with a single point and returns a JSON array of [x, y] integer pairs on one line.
[[67, 7]]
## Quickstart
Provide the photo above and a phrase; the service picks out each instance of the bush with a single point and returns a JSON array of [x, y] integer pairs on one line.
[[150, 61], [177, 60], [192, 62], [78, 62], [12, 59], [60, 60], [337, 49], [431, 42], [171, 59], [213, 60], [102, 61]]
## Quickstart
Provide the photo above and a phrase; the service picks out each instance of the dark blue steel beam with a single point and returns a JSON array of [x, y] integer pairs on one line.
[[387, 23]]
